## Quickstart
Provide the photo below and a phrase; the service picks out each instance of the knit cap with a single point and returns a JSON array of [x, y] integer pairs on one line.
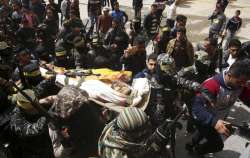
[[131, 119]]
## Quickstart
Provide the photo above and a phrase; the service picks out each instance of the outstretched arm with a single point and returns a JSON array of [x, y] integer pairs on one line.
[[22, 127]]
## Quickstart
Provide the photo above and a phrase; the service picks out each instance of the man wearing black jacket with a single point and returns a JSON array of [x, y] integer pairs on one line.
[[232, 26], [151, 22], [31, 128], [116, 40]]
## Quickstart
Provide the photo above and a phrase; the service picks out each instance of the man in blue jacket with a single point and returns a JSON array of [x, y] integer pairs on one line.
[[212, 104], [118, 14]]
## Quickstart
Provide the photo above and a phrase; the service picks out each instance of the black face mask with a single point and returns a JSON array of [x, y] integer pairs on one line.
[[5, 71], [201, 67]]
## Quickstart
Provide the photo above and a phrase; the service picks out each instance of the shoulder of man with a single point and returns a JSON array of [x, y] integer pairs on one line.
[[141, 74], [210, 88], [170, 46]]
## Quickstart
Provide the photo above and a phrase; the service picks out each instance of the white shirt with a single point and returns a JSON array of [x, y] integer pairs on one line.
[[64, 7], [172, 11], [230, 60]]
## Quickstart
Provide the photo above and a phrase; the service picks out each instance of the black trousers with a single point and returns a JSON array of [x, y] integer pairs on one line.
[[213, 142]]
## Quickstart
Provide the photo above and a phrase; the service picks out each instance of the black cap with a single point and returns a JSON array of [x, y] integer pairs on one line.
[[20, 49], [181, 29]]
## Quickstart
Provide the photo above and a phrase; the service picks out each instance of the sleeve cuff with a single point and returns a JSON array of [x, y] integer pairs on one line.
[[214, 121]]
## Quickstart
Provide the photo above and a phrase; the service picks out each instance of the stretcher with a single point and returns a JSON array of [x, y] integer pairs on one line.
[[104, 95]]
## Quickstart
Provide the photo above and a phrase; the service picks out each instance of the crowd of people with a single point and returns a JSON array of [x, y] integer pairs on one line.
[[208, 77]]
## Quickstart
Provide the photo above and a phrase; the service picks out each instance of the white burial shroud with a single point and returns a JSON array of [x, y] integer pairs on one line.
[[103, 94]]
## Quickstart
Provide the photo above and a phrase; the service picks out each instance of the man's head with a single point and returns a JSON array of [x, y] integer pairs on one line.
[[72, 14], [180, 33], [5, 2], [95, 43], [238, 74], [167, 64], [237, 13], [115, 23], [116, 5], [219, 8], [105, 11], [16, 6], [140, 44], [153, 9], [42, 31], [209, 43], [133, 123], [234, 47], [50, 13], [23, 56], [152, 62], [181, 20], [201, 61]]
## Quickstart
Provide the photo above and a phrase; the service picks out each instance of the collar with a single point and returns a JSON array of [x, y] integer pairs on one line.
[[224, 82], [236, 18], [146, 70], [221, 79]]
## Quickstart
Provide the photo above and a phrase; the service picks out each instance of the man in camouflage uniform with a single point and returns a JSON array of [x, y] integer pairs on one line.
[[130, 135], [181, 49], [30, 128], [81, 124], [202, 69]]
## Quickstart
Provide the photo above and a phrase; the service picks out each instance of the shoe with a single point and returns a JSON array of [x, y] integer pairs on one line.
[[210, 155], [192, 150], [189, 147]]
